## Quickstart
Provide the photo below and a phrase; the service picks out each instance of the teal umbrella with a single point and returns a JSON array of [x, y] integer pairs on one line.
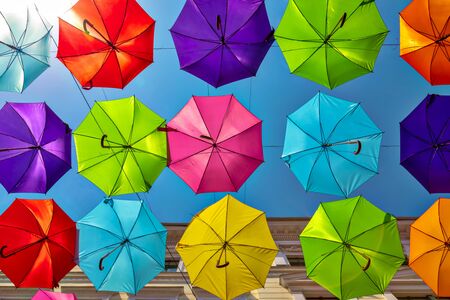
[[331, 145], [122, 246], [24, 47]]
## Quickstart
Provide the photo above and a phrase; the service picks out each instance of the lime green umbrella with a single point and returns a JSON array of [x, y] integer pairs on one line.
[[352, 248], [119, 146], [331, 42]]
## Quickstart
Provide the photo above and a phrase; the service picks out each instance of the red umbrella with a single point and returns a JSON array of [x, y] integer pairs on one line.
[[37, 243], [215, 144], [106, 43]]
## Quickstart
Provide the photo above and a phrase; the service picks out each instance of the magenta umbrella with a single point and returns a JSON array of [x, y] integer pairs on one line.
[[46, 295], [215, 144]]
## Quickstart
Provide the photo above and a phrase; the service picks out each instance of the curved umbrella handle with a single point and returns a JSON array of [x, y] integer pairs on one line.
[[364, 268], [219, 23], [102, 142], [206, 137], [358, 150], [100, 263], [218, 266], [343, 19], [85, 23], [2, 254]]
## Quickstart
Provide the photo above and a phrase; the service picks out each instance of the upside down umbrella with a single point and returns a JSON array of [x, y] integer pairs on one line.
[[329, 42], [35, 147], [46, 295], [37, 243], [230, 243], [119, 147], [425, 143], [221, 41], [352, 248], [215, 144], [24, 47], [331, 145], [106, 43], [429, 247], [122, 246], [425, 39]]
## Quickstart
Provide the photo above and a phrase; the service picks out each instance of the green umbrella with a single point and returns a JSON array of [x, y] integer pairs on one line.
[[352, 248], [331, 42], [119, 147]]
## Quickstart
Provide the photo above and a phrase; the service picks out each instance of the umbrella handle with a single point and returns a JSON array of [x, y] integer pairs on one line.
[[223, 265], [206, 137], [2, 254], [218, 265], [100, 263], [219, 23], [367, 264], [102, 142], [343, 19], [358, 150], [166, 129], [85, 23]]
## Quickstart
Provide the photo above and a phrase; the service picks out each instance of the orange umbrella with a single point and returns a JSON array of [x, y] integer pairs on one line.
[[430, 246], [425, 39]]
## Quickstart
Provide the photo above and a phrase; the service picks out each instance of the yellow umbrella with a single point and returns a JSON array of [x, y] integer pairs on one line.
[[228, 248]]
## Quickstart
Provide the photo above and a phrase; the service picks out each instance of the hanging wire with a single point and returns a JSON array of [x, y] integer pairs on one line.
[[137, 194]]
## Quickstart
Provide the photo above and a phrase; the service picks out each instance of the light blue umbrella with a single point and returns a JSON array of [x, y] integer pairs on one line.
[[122, 246], [331, 145], [24, 48]]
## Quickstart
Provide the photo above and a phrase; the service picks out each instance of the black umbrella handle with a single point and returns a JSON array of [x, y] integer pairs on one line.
[[226, 263], [100, 262], [14, 252]]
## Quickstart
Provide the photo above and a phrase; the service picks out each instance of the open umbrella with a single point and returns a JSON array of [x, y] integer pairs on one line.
[[329, 42], [37, 243], [106, 43], [425, 143], [221, 41], [35, 147], [331, 145], [425, 39], [24, 47], [119, 147], [228, 248], [122, 246], [430, 245], [352, 248], [215, 144], [46, 295]]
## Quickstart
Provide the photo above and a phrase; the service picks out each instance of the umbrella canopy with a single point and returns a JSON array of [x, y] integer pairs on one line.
[[215, 144], [37, 243], [35, 147], [230, 242], [119, 147], [24, 47], [425, 39], [329, 42], [106, 43], [46, 295], [221, 41], [122, 246], [352, 248], [429, 247], [425, 143], [331, 145]]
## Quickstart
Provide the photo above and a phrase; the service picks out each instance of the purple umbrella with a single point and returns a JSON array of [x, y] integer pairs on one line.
[[425, 143], [34, 147], [221, 41]]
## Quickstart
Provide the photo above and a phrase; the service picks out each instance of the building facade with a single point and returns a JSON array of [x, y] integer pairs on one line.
[[287, 279]]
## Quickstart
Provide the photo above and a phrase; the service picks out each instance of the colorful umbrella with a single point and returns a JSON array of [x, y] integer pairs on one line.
[[352, 248], [425, 39], [331, 145], [215, 144], [46, 295], [425, 143], [429, 247], [106, 43], [24, 47], [221, 41], [330, 42], [119, 147], [228, 249], [37, 243], [35, 147], [122, 246]]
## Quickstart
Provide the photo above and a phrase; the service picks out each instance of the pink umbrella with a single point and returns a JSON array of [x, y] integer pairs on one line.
[[46, 295], [215, 144]]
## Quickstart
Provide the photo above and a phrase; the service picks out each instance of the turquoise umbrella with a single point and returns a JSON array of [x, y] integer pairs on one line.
[[24, 47], [331, 145], [122, 246]]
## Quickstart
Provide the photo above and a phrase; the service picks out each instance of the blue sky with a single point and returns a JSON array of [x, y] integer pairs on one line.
[[387, 95]]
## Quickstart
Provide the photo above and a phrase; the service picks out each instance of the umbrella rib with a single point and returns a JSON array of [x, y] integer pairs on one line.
[[242, 261], [320, 238], [227, 110], [187, 157], [252, 246], [102, 161], [133, 156], [204, 171], [241, 154], [135, 37], [247, 21], [351, 218], [151, 132], [322, 151], [194, 38], [123, 22], [324, 256], [301, 129], [13, 38], [440, 221], [204, 266], [229, 177], [312, 54], [253, 73], [19, 228], [331, 222], [26, 170], [109, 271], [226, 214], [438, 248], [309, 23], [25, 123], [288, 156], [205, 19], [148, 234], [441, 262], [234, 135], [135, 54], [253, 257], [84, 256], [148, 254], [132, 266], [101, 228], [245, 226], [361, 166], [351, 111], [29, 269], [201, 253], [327, 157], [34, 56], [201, 58], [370, 229], [203, 119], [112, 121], [379, 252], [197, 217]]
